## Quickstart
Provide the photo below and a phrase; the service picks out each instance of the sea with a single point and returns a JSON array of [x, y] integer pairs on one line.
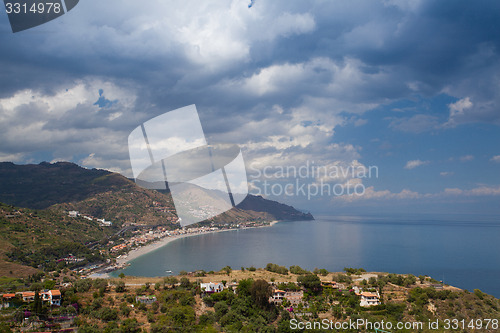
[[461, 250]]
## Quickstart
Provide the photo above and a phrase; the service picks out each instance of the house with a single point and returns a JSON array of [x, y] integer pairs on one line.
[[212, 287], [104, 223], [73, 213], [277, 296], [370, 298], [292, 296], [52, 297], [7, 300], [145, 299], [28, 296]]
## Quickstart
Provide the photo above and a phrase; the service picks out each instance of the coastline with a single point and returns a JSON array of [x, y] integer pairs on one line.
[[143, 250]]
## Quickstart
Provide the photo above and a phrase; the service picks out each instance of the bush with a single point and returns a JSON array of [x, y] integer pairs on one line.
[[208, 318], [310, 281], [221, 308], [120, 287], [107, 314], [277, 269], [479, 293], [354, 271], [322, 271], [82, 285], [298, 270]]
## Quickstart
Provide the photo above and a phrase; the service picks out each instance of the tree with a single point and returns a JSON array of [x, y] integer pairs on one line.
[[185, 283], [228, 270], [122, 275], [130, 326], [107, 314], [310, 281], [37, 305], [120, 287], [244, 287], [171, 280], [221, 308], [260, 292], [49, 284]]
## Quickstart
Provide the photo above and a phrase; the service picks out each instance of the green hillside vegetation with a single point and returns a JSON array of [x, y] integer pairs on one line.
[[37, 238]]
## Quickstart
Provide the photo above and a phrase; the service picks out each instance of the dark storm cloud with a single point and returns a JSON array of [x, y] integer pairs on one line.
[[290, 63]]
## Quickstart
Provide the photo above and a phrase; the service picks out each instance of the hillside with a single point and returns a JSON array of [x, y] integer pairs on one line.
[[278, 210], [32, 239], [248, 303]]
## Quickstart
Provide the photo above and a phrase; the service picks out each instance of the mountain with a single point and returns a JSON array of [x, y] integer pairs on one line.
[[65, 186], [43, 185], [278, 210]]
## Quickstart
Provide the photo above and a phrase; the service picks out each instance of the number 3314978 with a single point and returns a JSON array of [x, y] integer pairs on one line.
[[35, 8]]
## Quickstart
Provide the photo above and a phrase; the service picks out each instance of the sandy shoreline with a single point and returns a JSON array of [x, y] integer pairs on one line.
[[140, 251]]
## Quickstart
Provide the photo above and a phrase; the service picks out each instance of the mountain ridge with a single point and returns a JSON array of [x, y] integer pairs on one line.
[[104, 194]]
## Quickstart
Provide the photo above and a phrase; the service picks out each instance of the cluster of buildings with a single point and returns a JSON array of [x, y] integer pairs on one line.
[[165, 209], [70, 259], [204, 212], [102, 222], [50, 297], [142, 237], [294, 297]]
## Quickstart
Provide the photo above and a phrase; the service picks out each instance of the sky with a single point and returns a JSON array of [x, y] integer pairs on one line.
[[339, 107]]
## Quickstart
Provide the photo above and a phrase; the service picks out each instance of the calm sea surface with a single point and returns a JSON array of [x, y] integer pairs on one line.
[[463, 251]]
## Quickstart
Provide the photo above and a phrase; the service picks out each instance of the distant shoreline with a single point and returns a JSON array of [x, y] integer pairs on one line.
[[151, 247]]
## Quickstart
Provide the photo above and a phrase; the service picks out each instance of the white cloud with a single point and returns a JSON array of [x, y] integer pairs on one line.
[[466, 158], [475, 192], [446, 173], [416, 124], [495, 159], [371, 194], [5, 157], [415, 163], [69, 124]]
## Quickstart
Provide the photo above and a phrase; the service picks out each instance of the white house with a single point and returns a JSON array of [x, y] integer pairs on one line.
[[370, 298], [104, 223], [73, 213], [212, 287]]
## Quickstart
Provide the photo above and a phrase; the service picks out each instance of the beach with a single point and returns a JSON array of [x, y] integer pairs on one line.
[[140, 251]]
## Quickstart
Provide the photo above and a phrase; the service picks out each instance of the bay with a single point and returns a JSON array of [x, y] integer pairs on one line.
[[463, 251]]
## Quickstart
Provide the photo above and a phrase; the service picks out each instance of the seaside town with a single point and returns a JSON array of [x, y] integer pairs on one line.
[[143, 238]]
